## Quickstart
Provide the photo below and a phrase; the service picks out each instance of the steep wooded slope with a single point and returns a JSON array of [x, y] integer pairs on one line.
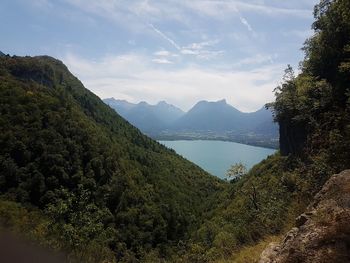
[[99, 181]]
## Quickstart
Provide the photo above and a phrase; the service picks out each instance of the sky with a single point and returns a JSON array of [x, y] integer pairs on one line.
[[180, 51]]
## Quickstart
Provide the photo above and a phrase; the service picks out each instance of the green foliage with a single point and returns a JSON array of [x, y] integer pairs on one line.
[[108, 191], [255, 206], [313, 109]]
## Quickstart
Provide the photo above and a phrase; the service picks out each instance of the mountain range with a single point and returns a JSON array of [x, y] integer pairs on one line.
[[205, 120], [151, 119]]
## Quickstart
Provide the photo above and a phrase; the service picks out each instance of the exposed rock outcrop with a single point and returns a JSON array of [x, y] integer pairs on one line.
[[322, 234]]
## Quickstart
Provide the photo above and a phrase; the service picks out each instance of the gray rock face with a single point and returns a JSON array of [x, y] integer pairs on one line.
[[322, 234]]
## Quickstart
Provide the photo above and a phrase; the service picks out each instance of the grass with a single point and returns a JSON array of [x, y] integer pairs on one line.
[[251, 254]]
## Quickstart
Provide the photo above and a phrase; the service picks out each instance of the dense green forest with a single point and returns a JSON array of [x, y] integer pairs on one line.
[[76, 177], [103, 189]]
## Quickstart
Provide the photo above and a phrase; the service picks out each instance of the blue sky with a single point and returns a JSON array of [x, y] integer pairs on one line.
[[181, 51]]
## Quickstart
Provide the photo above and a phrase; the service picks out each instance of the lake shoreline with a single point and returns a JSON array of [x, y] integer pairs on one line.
[[216, 156], [180, 138]]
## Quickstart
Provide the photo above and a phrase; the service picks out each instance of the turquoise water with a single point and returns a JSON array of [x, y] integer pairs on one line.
[[217, 156]]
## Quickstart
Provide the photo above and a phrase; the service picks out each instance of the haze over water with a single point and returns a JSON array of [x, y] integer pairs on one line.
[[217, 156]]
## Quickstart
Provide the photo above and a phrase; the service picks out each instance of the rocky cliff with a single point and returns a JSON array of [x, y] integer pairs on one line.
[[322, 233]]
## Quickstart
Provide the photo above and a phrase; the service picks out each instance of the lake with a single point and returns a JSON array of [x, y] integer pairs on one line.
[[217, 156]]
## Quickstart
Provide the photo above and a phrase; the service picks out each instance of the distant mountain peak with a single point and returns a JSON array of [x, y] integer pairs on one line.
[[210, 105], [2, 54], [145, 116], [163, 103], [112, 99], [143, 103], [222, 101], [123, 101]]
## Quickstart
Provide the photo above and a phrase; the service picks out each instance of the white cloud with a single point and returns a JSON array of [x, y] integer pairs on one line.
[[202, 54], [186, 51], [202, 50], [201, 45], [256, 60], [221, 8], [163, 22], [137, 15], [176, 10], [164, 57], [162, 53], [131, 77], [272, 10], [245, 22], [162, 61], [198, 49]]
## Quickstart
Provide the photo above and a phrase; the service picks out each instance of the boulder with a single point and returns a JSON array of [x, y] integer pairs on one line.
[[322, 233]]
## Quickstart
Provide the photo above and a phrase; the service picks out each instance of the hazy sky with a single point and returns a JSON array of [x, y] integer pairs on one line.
[[180, 51]]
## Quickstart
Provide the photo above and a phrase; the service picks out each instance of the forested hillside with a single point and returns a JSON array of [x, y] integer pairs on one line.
[[79, 178]]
